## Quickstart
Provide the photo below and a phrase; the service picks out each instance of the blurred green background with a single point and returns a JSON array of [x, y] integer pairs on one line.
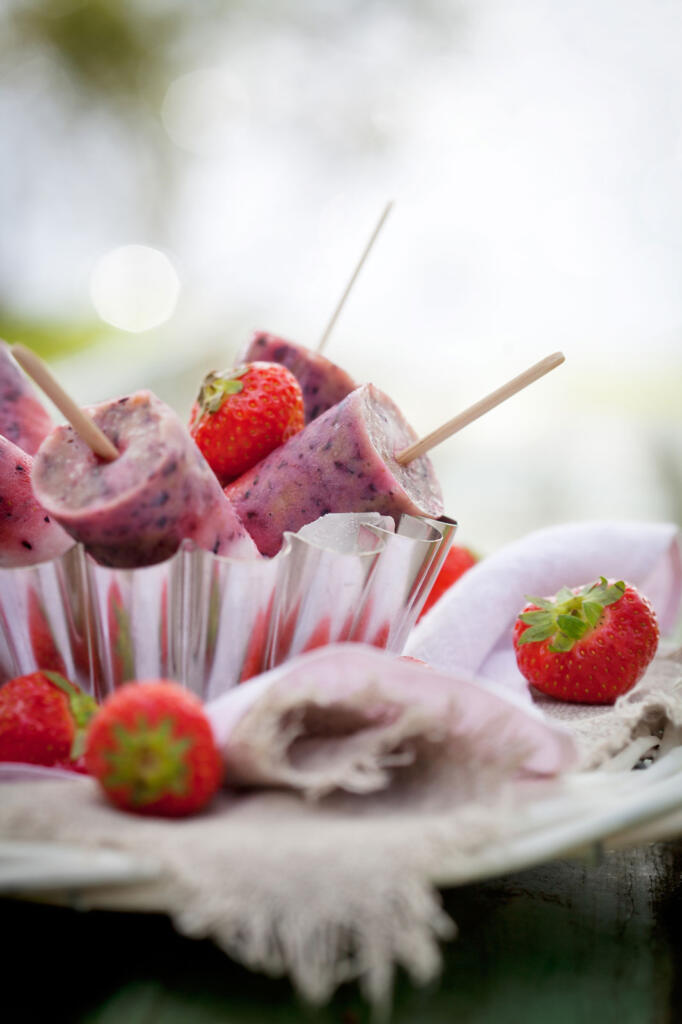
[[175, 175]]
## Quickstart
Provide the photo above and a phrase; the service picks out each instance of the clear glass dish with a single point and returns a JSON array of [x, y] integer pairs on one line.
[[213, 622]]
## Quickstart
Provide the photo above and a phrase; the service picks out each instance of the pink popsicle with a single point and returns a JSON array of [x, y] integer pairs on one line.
[[323, 383], [137, 509], [27, 533], [23, 420], [344, 461]]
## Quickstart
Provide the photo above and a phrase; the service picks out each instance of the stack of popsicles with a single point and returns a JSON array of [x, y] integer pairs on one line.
[[154, 490], [136, 509]]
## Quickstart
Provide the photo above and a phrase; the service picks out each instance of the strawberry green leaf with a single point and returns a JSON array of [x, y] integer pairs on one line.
[[58, 680], [572, 626], [606, 593], [536, 633], [541, 602], [591, 587], [82, 707], [78, 745], [216, 387], [592, 611], [538, 618], [561, 643]]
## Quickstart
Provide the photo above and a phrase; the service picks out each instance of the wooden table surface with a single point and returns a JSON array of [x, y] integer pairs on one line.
[[566, 943]]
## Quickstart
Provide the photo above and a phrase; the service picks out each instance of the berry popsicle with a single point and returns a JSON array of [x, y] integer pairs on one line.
[[137, 509], [23, 420], [344, 461], [27, 533], [323, 383]]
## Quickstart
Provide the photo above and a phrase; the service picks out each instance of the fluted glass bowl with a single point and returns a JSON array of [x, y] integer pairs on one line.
[[213, 622]]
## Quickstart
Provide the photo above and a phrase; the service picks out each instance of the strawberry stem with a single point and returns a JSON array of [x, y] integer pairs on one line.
[[215, 388]]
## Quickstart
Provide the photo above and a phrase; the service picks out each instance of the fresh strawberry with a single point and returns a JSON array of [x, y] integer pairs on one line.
[[43, 719], [241, 415], [152, 749], [588, 645], [457, 561]]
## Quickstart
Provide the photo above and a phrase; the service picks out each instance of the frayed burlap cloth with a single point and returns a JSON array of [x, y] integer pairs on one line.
[[620, 736], [344, 887]]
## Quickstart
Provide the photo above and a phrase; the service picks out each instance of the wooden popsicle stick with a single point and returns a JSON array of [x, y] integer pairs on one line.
[[342, 301], [533, 373], [80, 421]]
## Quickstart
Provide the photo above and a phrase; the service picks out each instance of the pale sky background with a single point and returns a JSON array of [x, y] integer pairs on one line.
[[534, 153]]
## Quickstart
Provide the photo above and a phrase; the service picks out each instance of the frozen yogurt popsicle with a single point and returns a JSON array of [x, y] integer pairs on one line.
[[344, 461], [323, 383], [28, 535], [137, 509], [23, 420]]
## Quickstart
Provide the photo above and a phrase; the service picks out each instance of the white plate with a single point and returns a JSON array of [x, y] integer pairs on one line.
[[564, 817], [572, 815], [36, 867]]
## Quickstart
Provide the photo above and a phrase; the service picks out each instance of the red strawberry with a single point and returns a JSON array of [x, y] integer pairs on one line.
[[152, 749], [456, 563], [42, 719], [588, 645], [242, 414]]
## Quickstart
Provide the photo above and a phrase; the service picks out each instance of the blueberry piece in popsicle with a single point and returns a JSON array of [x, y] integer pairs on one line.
[[137, 509]]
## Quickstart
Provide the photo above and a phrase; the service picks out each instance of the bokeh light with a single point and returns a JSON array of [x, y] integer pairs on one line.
[[134, 288], [201, 110]]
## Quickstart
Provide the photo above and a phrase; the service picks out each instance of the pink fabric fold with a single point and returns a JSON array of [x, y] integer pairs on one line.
[[470, 628], [354, 718]]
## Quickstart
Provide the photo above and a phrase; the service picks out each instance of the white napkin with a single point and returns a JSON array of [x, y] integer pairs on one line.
[[470, 628]]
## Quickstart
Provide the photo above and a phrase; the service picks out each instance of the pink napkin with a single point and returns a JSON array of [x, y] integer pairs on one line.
[[351, 717], [470, 628]]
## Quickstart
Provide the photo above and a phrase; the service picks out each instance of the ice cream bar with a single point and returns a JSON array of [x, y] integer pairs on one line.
[[28, 534], [23, 420], [137, 509], [323, 383], [344, 461]]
